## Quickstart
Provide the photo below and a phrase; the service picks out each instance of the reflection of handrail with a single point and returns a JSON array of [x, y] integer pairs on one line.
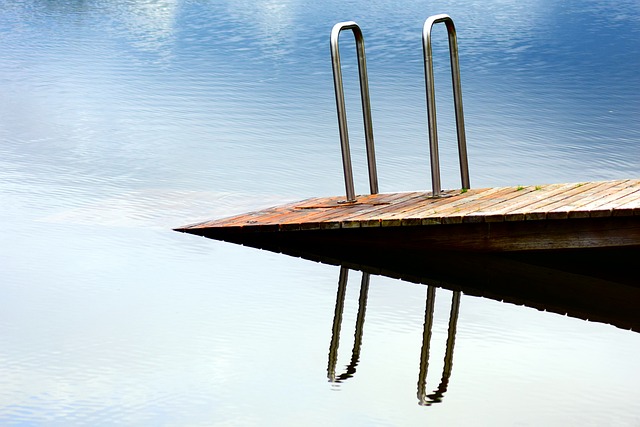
[[426, 341], [431, 101], [342, 114], [424, 399], [436, 396], [337, 323]]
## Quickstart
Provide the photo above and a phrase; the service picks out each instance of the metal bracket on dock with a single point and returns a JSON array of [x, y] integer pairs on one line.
[[431, 101], [342, 114]]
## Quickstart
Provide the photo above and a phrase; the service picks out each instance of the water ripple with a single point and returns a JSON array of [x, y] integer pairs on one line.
[[122, 119]]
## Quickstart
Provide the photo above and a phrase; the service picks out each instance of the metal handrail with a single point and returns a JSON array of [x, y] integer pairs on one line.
[[425, 399], [431, 101], [342, 114], [337, 325]]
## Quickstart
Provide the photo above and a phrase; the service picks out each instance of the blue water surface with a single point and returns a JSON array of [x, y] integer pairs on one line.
[[122, 119]]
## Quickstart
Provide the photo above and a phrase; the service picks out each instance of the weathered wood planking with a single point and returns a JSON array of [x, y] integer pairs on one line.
[[554, 216]]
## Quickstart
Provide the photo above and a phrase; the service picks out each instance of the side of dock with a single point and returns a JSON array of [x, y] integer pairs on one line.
[[546, 217]]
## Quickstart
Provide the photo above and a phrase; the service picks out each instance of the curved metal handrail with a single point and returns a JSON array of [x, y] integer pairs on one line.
[[425, 399], [342, 114], [431, 101], [337, 325]]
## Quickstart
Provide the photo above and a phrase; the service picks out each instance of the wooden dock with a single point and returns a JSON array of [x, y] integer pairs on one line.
[[546, 217]]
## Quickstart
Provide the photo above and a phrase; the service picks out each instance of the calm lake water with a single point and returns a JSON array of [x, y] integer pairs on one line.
[[121, 119]]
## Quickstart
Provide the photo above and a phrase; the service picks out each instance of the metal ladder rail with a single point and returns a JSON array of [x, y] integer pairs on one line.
[[431, 101], [342, 114], [337, 325], [425, 399]]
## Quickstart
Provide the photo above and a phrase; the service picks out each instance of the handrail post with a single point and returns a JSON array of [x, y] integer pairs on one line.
[[423, 398], [431, 101], [426, 343], [342, 114], [337, 326]]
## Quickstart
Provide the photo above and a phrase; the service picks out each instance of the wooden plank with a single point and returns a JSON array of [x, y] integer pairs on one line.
[[320, 202], [270, 219], [580, 196], [510, 196], [629, 208], [314, 219], [515, 210], [595, 207], [331, 218], [439, 214], [519, 197], [627, 198], [388, 220], [478, 219], [299, 213], [452, 214], [626, 195], [537, 209], [359, 218], [247, 219], [426, 201], [389, 200], [489, 200], [432, 212], [374, 218], [310, 215], [297, 216], [413, 215], [540, 209]]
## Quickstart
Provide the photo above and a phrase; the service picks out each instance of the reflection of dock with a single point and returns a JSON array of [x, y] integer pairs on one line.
[[558, 216], [592, 283], [424, 399], [598, 284]]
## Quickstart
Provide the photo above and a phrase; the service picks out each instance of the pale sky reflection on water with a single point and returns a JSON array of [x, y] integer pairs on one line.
[[122, 119]]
